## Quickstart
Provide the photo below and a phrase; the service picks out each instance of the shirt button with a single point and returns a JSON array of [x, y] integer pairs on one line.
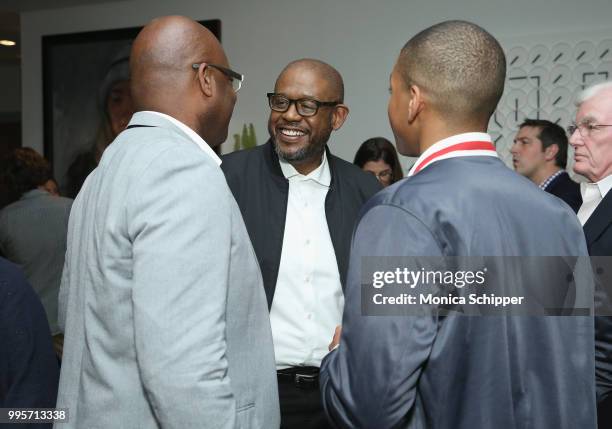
[[307, 279], [309, 316], [307, 242]]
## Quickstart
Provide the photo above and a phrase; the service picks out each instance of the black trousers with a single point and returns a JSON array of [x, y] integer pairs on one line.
[[604, 413], [300, 406]]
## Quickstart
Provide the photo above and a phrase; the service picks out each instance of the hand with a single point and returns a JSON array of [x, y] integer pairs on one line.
[[336, 340]]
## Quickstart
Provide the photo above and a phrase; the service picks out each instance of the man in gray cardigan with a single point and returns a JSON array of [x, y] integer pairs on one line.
[[33, 229], [162, 299]]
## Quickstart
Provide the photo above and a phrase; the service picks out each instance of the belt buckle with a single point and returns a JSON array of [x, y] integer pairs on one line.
[[306, 381]]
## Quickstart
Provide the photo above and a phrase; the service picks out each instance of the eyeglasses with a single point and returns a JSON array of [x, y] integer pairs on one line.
[[235, 77], [585, 129], [304, 106], [383, 176]]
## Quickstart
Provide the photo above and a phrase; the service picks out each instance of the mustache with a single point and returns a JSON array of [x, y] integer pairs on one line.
[[295, 125]]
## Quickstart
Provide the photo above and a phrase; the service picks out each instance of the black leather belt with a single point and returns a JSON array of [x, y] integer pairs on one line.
[[303, 377]]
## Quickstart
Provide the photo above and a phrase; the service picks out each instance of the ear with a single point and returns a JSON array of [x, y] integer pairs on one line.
[[416, 102], [205, 80], [339, 115], [550, 153]]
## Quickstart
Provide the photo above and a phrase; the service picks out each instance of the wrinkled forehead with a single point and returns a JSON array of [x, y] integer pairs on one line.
[[301, 81]]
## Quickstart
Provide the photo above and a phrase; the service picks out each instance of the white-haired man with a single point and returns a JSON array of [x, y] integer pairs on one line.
[[591, 137]]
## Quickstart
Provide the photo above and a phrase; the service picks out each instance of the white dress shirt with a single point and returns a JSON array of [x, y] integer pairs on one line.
[[308, 299], [592, 194]]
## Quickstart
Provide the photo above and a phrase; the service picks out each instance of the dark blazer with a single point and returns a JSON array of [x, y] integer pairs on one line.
[[29, 370], [566, 189], [598, 233], [261, 190], [459, 372]]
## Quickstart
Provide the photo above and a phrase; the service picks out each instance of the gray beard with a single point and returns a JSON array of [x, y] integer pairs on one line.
[[304, 154]]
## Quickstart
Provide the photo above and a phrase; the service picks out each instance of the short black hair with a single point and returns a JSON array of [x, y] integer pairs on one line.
[[378, 148], [550, 133], [326, 71], [22, 170], [460, 67]]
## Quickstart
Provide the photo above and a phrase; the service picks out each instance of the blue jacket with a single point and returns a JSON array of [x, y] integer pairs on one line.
[[458, 371], [29, 369]]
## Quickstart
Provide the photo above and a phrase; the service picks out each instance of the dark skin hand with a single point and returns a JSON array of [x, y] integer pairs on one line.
[[336, 339]]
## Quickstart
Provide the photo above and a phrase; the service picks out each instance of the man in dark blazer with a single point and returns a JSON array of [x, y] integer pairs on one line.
[[539, 153], [299, 203], [29, 369], [443, 371], [591, 137]]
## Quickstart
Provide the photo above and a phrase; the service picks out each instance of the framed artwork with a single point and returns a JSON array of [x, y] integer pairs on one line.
[[86, 98]]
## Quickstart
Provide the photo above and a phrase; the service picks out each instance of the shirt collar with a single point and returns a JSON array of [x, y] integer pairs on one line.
[[190, 133], [549, 180], [604, 186], [451, 141], [33, 193], [321, 174]]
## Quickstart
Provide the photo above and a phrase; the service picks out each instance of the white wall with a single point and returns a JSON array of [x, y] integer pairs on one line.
[[360, 38]]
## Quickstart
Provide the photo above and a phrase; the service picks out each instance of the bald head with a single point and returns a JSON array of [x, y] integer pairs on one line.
[[460, 67], [161, 60], [327, 73], [163, 78]]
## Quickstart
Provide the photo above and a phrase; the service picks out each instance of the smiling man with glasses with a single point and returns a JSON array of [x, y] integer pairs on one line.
[[591, 137], [299, 203]]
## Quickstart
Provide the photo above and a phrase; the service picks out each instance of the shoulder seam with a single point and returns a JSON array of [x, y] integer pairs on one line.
[[411, 214]]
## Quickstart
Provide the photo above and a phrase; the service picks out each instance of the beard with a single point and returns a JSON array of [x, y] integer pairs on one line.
[[313, 150], [303, 154]]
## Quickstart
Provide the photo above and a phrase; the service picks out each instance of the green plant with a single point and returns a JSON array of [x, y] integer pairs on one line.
[[247, 140]]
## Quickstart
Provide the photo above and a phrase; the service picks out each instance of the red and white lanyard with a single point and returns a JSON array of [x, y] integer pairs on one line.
[[454, 147]]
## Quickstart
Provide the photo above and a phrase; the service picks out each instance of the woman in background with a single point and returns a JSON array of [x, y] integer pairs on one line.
[[116, 109], [379, 157]]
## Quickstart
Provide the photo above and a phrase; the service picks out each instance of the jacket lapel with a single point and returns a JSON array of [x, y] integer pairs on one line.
[[276, 200], [599, 220]]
